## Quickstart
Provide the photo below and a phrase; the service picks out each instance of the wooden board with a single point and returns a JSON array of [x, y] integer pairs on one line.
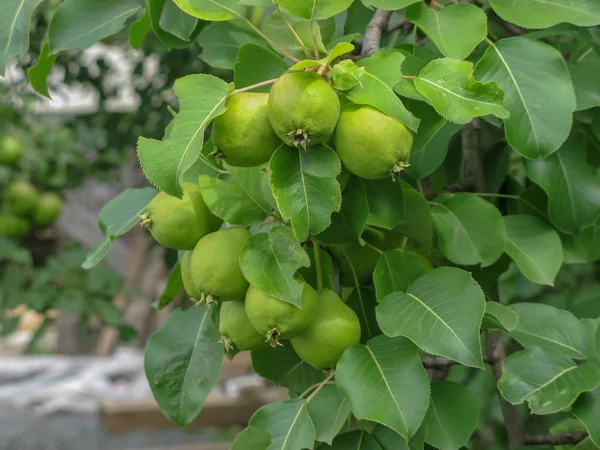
[[219, 410]]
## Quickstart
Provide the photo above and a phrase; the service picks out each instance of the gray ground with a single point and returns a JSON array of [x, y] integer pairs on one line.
[[22, 430]]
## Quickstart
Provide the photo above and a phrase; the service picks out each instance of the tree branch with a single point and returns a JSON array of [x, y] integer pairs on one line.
[[473, 177], [374, 30], [494, 350], [555, 439]]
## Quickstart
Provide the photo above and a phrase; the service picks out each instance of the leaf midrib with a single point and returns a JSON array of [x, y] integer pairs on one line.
[[462, 227], [185, 375], [518, 88], [287, 436], [387, 386], [12, 29], [467, 99], [414, 297], [549, 340]]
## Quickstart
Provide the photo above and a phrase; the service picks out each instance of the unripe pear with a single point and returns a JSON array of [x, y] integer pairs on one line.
[[179, 223], [215, 268], [11, 150], [13, 226], [22, 197], [370, 143], [236, 329], [334, 328], [243, 135], [303, 109], [48, 209], [275, 319]]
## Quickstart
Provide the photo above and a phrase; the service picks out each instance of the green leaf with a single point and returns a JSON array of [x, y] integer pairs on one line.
[[470, 230], [390, 440], [526, 71], [288, 423], [77, 24], [173, 20], [430, 145], [376, 87], [155, 9], [585, 83], [587, 410], [283, 367], [389, 371], [363, 302], [348, 224], [547, 327], [547, 380], [310, 273], [269, 261], [451, 417], [396, 271], [201, 98], [12, 251], [15, 16], [386, 202], [441, 27], [314, 9], [305, 187], [328, 410], [275, 26], [38, 74], [252, 438], [450, 87], [172, 288], [241, 201], [583, 247], [212, 10], [500, 317], [389, 4], [534, 246], [139, 30], [116, 218], [346, 75], [254, 64], [182, 362], [544, 14], [572, 188], [446, 300], [417, 222], [221, 42], [355, 440]]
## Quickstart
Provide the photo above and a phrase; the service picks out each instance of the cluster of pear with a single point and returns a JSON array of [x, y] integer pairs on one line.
[[249, 318], [303, 110], [23, 207]]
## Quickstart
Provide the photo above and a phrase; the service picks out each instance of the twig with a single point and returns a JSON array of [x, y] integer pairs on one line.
[[462, 186], [292, 30], [513, 423], [253, 86], [323, 383], [473, 177], [314, 38], [473, 171], [374, 30], [318, 268], [555, 439], [511, 29], [440, 362]]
